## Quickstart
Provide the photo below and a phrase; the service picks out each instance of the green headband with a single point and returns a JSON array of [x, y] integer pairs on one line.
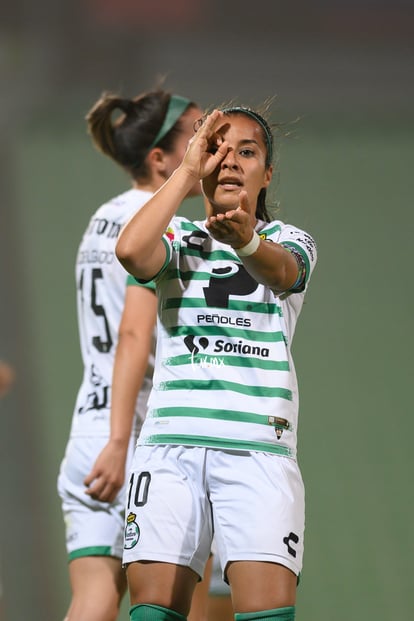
[[259, 119], [176, 106]]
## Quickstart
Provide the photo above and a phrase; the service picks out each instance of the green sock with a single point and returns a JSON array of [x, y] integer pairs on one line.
[[150, 612], [276, 614]]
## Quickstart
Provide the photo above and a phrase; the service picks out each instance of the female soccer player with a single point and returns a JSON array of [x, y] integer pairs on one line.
[[148, 140], [217, 451]]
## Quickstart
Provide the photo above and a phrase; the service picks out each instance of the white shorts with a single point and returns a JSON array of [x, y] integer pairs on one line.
[[178, 497], [93, 528], [217, 587]]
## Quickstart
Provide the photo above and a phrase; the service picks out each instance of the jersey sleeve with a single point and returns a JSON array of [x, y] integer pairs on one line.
[[133, 282], [168, 241], [303, 247]]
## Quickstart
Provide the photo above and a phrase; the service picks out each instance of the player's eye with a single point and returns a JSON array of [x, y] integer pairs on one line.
[[247, 152]]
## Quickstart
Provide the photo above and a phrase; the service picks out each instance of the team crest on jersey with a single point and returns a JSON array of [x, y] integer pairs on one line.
[[132, 532], [280, 424]]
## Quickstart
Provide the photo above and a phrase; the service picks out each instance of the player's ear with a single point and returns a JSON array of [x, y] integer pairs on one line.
[[156, 158], [268, 176]]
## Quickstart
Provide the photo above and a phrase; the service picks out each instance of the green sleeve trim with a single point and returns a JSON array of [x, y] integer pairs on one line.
[[134, 282], [302, 254], [91, 551]]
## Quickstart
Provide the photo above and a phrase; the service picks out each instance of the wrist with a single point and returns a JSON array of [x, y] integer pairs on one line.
[[185, 175], [250, 248], [120, 441]]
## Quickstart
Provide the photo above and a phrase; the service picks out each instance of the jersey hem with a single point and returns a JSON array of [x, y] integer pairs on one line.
[[93, 551]]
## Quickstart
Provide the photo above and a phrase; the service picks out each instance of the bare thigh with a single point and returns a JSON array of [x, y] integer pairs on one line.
[[98, 584], [162, 584], [257, 585], [199, 603], [220, 608]]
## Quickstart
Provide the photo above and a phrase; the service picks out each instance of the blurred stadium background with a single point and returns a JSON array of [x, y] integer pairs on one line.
[[342, 74]]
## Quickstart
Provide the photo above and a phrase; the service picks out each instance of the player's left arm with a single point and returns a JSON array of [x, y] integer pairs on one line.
[[285, 265], [131, 361]]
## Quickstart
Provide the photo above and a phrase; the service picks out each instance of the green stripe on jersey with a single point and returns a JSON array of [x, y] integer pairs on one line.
[[223, 443], [175, 274], [252, 391], [188, 225], [237, 305], [213, 255], [231, 361], [216, 330], [270, 230], [241, 417]]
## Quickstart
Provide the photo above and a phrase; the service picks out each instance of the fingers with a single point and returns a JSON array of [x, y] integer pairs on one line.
[[102, 489], [90, 477], [100, 486], [208, 131], [210, 122], [244, 203]]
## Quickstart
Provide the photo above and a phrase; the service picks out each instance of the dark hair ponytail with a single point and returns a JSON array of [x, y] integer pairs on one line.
[[127, 138]]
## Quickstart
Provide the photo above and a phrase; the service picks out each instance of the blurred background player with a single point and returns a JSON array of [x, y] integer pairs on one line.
[[7, 379], [148, 140]]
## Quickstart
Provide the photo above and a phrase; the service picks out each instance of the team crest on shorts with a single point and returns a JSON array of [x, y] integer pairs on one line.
[[132, 532]]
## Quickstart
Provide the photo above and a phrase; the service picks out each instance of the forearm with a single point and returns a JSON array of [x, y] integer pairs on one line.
[[129, 371], [272, 265]]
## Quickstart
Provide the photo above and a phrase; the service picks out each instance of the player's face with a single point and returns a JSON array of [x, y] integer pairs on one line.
[[243, 168], [175, 157]]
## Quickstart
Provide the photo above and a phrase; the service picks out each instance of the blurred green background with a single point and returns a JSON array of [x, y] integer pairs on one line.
[[342, 74]]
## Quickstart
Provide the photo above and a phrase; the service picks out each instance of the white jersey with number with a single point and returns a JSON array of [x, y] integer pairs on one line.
[[101, 284], [224, 373]]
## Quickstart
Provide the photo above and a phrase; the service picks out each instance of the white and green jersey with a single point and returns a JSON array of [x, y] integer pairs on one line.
[[101, 283], [224, 374]]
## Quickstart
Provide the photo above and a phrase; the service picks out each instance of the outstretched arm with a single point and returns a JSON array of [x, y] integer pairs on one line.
[[131, 360], [269, 263], [139, 247]]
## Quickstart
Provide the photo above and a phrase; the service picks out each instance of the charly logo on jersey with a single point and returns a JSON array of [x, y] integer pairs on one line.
[[132, 532], [291, 538]]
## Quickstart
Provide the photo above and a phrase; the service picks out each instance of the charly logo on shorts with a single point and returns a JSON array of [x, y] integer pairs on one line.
[[132, 532]]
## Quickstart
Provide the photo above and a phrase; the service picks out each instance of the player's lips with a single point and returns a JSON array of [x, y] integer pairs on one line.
[[230, 182]]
